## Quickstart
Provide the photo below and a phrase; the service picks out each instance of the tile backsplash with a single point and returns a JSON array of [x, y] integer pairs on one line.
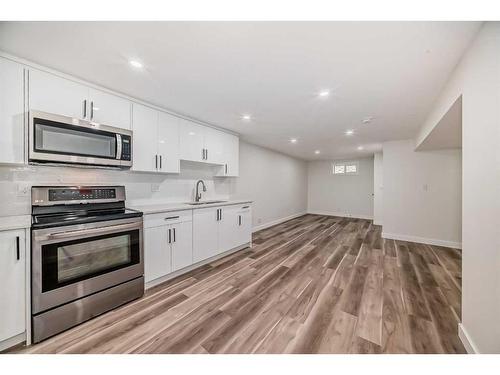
[[16, 182]]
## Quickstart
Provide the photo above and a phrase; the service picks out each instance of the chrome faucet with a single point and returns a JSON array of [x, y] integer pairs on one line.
[[198, 195]]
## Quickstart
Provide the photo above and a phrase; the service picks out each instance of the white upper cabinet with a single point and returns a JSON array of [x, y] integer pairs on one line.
[[191, 141], [12, 284], [205, 144], [109, 109], [156, 141], [53, 94], [11, 112], [168, 142], [214, 146], [230, 156], [144, 146]]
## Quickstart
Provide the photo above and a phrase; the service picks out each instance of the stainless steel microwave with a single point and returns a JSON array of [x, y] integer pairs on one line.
[[56, 139]]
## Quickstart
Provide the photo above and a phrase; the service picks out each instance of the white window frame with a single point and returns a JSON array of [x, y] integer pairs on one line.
[[345, 164]]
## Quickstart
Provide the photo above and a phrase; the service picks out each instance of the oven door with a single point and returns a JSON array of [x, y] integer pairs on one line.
[[61, 139], [71, 262]]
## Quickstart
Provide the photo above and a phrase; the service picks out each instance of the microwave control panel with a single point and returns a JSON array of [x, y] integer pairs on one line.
[[126, 148]]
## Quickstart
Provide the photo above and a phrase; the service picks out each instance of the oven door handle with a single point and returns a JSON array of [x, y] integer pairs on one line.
[[108, 229]]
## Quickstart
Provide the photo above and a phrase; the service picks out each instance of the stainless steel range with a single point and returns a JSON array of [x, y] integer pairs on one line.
[[86, 254]]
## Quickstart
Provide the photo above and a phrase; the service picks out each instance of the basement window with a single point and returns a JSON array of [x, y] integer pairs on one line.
[[345, 168]]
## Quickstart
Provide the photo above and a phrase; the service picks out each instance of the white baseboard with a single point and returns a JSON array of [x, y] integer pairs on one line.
[[13, 341], [466, 340], [174, 274], [376, 222], [340, 214], [428, 241], [278, 221]]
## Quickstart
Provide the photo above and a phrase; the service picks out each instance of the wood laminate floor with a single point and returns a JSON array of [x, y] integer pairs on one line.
[[314, 284]]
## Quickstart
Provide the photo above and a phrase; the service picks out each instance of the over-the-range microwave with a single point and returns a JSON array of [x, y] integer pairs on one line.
[[56, 139]]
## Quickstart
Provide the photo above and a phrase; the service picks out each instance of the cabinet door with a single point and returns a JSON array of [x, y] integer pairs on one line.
[[109, 109], [230, 157], [214, 146], [11, 112], [205, 234], [157, 253], [228, 230], [53, 94], [244, 226], [168, 142], [233, 156], [182, 245], [12, 284], [191, 140], [144, 145]]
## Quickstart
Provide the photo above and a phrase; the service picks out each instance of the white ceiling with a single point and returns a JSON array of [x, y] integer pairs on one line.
[[217, 71]]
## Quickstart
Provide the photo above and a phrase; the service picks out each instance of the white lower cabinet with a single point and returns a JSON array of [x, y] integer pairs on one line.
[[182, 245], [205, 233], [12, 284], [168, 243], [219, 229], [157, 253], [176, 240]]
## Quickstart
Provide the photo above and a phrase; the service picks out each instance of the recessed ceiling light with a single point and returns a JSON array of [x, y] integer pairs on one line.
[[349, 132], [293, 140], [324, 93], [367, 120], [246, 117], [360, 148], [136, 64], [317, 152]]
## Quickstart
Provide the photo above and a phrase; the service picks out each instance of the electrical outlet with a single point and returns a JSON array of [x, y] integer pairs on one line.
[[155, 188], [23, 189]]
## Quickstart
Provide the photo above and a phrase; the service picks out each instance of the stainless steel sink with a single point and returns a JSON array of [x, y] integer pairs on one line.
[[205, 202]]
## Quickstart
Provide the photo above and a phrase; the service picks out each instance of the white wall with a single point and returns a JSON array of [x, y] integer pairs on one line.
[[340, 195], [276, 182], [477, 79], [422, 194], [378, 188]]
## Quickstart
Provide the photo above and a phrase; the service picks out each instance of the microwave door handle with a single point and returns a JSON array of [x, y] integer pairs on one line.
[[118, 146], [86, 232]]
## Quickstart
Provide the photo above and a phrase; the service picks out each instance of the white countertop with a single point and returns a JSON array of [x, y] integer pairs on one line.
[[15, 222], [169, 207]]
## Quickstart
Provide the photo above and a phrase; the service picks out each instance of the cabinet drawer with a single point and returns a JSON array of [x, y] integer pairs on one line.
[[164, 218]]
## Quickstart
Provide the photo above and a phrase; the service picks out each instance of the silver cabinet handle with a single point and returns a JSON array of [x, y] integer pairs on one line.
[[91, 110], [111, 228], [84, 109], [245, 207], [206, 154], [18, 251], [174, 234], [239, 220], [160, 161], [169, 236], [171, 217], [156, 161], [202, 154], [226, 168]]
